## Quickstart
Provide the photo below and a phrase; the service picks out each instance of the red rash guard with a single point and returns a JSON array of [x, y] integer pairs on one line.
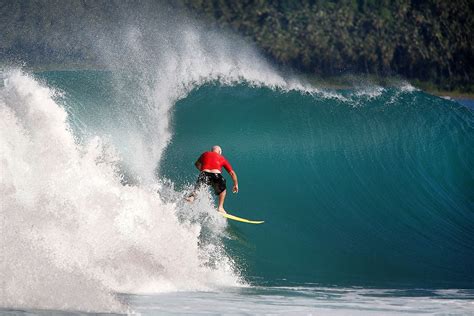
[[212, 160]]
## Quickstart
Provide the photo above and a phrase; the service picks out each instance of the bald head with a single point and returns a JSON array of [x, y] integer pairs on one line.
[[217, 149]]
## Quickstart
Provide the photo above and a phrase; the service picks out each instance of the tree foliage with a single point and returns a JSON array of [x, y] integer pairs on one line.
[[426, 40]]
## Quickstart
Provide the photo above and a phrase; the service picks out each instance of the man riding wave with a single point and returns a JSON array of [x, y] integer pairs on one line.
[[210, 165]]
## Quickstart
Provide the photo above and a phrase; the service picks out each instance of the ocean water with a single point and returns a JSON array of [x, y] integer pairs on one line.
[[466, 102], [361, 189], [366, 196], [367, 193]]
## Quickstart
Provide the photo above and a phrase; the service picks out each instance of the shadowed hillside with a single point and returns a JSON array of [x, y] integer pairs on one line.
[[428, 42]]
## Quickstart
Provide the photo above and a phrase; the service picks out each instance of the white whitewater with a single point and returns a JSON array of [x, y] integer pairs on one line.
[[72, 234]]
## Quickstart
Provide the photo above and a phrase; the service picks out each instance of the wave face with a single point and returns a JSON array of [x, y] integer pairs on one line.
[[366, 187]]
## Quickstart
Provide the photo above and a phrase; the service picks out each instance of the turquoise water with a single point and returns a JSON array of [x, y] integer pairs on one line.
[[374, 187], [466, 102], [370, 190], [367, 191], [367, 197]]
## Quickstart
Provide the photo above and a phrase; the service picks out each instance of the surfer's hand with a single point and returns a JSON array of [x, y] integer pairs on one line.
[[235, 189]]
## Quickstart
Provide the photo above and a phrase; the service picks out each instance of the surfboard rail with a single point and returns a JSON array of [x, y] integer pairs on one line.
[[240, 219]]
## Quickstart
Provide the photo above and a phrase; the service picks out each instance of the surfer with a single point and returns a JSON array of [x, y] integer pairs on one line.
[[210, 164]]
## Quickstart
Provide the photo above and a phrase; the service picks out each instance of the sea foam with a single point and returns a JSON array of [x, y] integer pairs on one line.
[[72, 233]]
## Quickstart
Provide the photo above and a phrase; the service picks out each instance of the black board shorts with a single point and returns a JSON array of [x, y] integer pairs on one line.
[[215, 180]]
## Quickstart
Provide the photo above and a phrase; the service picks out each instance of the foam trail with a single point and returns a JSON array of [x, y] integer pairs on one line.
[[70, 226]]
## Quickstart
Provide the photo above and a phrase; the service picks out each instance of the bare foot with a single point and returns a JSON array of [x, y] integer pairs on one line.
[[221, 210]]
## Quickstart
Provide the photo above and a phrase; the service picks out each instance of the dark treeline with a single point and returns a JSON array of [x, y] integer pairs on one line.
[[425, 40], [429, 41]]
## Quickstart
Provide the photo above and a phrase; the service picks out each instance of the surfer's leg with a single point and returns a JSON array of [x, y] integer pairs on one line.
[[221, 202], [202, 179], [190, 198]]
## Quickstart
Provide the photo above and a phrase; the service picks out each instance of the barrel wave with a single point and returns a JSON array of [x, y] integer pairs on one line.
[[368, 186]]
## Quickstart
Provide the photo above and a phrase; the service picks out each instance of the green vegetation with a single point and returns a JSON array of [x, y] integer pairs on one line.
[[428, 42]]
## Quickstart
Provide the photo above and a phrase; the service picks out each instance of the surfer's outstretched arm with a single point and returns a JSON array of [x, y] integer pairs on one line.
[[235, 189]]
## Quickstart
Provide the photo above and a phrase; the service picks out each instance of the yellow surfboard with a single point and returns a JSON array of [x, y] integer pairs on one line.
[[239, 219]]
